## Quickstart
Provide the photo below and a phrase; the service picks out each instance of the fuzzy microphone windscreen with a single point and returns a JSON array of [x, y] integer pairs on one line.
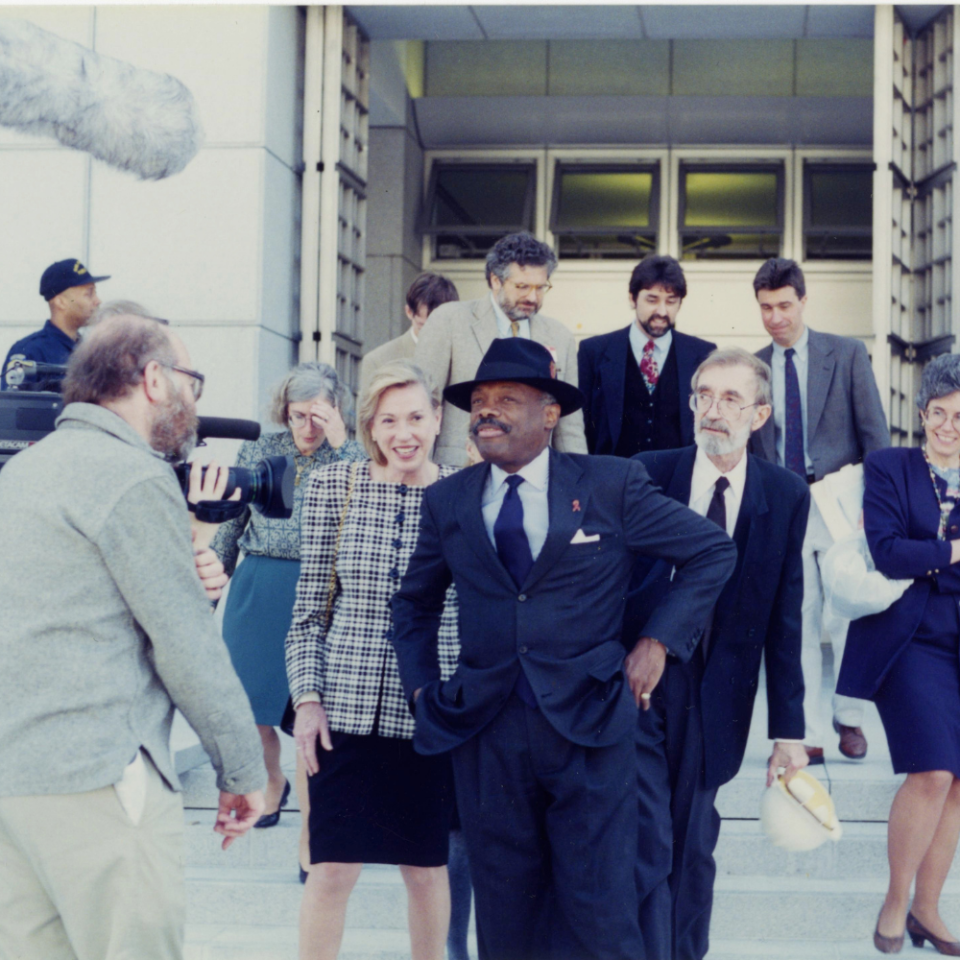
[[133, 119]]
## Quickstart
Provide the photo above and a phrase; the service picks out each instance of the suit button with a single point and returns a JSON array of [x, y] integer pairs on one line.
[[523, 649], [954, 528], [522, 597], [929, 573]]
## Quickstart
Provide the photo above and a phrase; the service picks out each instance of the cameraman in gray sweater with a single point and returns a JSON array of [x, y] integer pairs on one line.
[[105, 629]]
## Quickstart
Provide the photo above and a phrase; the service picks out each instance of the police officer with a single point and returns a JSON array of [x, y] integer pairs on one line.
[[71, 291]]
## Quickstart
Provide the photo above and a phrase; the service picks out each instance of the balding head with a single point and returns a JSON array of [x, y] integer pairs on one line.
[[110, 361]]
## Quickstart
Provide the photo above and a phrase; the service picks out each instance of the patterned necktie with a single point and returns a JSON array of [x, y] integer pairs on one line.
[[717, 511], [648, 367], [513, 549], [515, 328], [793, 458]]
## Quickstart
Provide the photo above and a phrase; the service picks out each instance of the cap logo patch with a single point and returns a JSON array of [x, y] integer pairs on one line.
[[78, 267]]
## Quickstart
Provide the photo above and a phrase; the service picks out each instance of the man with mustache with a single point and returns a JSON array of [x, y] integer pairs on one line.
[[457, 335], [541, 712], [693, 739], [635, 379], [108, 629]]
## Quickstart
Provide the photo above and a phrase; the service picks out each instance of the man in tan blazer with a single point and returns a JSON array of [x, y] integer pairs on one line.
[[457, 335], [426, 293]]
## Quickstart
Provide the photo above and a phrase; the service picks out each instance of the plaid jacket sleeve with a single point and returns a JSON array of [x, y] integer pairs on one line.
[[305, 645]]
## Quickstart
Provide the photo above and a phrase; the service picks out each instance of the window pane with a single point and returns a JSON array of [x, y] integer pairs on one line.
[[604, 246], [604, 198], [731, 199], [716, 245], [480, 196], [449, 246], [841, 198]]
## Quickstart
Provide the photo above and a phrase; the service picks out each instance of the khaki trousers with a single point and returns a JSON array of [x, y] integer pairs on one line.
[[80, 880]]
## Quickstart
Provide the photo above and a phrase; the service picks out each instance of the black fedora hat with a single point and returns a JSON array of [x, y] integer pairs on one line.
[[518, 360]]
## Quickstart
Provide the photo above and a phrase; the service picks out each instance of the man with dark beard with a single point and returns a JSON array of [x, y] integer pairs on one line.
[[107, 629], [693, 738], [635, 379]]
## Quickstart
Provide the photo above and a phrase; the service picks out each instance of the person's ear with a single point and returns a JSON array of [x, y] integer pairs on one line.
[[761, 416], [155, 384], [551, 415]]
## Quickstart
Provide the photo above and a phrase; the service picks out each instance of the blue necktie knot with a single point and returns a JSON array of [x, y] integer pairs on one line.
[[789, 353]]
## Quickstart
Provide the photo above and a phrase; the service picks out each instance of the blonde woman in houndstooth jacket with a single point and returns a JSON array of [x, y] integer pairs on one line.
[[372, 798]]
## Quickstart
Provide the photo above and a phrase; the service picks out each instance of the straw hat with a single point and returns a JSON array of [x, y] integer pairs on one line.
[[799, 815]]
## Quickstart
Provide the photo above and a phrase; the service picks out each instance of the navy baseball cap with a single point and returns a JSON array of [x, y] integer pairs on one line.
[[63, 275]]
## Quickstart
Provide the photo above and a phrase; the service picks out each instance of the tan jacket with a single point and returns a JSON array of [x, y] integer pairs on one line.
[[400, 348], [452, 344]]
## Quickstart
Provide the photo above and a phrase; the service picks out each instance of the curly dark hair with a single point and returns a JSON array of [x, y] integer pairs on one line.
[[523, 249]]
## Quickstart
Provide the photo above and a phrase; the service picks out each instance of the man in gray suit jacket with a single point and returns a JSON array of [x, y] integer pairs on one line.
[[457, 336], [424, 295], [827, 413], [106, 629]]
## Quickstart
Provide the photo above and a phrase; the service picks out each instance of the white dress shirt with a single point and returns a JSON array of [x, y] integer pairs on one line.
[[503, 322], [533, 498], [802, 365], [661, 345], [705, 476]]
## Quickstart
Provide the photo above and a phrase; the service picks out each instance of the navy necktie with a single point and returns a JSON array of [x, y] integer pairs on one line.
[[513, 548], [511, 539], [793, 458]]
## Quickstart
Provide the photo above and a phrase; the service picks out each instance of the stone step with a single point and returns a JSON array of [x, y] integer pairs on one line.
[[244, 941]]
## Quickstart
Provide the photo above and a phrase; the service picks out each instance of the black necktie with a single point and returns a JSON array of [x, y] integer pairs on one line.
[[793, 458], [513, 548], [717, 511]]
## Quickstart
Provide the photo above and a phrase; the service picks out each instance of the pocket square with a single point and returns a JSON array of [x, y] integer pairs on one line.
[[581, 537]]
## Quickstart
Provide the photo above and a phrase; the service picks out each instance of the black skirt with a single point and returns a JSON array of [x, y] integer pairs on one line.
[[377, 801]]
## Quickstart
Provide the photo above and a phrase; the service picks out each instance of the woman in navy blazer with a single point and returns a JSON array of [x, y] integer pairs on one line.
[[905, 659]]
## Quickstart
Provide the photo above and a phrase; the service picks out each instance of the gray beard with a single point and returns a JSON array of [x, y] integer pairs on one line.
[[174, 431], [720, 446]]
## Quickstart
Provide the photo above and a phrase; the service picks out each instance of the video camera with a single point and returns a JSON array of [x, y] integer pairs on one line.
[[28, 415]]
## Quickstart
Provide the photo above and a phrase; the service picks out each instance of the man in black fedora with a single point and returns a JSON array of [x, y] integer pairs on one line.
[[71, 294], [541, 711]]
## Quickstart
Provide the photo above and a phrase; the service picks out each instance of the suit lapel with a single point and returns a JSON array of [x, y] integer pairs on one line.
[[680, 483], [820, 366], [613, 371], [470, 517], [685, 368], [565, 494], [483, 322]]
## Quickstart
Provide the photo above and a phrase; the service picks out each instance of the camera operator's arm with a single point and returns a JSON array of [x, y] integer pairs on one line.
[[145, 543]]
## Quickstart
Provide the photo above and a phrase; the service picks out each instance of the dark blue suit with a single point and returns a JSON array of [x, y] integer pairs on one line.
[[693, 739], [546, 794], [602, 362], [49, 344]]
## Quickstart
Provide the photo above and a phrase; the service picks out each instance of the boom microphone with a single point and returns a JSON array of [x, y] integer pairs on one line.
[[133, 119], [227, 428]]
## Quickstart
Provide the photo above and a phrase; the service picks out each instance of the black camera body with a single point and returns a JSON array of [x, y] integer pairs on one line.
[[27, 416]]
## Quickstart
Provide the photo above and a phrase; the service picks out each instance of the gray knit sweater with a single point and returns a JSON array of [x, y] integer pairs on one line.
[[104, 626]]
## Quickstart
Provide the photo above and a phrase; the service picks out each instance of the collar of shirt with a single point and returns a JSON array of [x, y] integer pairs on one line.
[[536, 473], [50, 329], [503, 322], [533, 497], [661, 345], [416, 339], [705, 475], [800, 347]]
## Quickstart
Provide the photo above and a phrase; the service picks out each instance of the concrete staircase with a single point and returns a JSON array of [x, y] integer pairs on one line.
[[243, 903]]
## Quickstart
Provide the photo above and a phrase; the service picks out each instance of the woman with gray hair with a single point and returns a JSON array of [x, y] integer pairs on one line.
[[308, 403], [905, 658]]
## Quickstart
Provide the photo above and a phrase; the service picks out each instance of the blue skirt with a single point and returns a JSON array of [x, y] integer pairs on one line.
[[255, 626]]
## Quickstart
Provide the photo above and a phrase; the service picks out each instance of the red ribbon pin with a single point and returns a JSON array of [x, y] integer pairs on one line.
[[576, 506]]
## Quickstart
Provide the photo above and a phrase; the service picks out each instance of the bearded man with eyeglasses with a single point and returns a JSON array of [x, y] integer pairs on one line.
[[106, 630], [693, 738], [457, 335]]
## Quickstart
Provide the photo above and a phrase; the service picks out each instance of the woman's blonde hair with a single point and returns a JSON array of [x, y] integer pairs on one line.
[[396, 373]]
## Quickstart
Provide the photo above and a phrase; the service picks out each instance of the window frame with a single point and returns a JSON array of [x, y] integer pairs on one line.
[[775, 165]]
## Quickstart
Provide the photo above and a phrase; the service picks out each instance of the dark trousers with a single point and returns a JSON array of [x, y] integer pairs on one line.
[[551, 828], [679, 824]]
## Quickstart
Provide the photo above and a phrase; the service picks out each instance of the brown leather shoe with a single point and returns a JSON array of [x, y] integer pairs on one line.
[[853, 744], [815, 755]]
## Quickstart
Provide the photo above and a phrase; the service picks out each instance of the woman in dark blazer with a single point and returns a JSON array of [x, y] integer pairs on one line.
[[905, 659]]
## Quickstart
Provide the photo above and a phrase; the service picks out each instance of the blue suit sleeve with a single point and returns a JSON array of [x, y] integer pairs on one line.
[[886, 515], [417, 607]]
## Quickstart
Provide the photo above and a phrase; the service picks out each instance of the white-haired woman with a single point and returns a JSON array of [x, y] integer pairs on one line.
[[307, 402], [372, 798]]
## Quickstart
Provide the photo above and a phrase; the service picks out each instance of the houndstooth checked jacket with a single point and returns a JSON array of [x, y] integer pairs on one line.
[[352, 665]]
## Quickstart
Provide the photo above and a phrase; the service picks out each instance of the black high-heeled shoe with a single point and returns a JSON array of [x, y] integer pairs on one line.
[[918, 933], [886, 944], [272, 819]]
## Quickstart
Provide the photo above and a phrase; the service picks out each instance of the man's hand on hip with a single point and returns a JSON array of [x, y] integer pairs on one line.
[[237, 813], [644, 667]]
